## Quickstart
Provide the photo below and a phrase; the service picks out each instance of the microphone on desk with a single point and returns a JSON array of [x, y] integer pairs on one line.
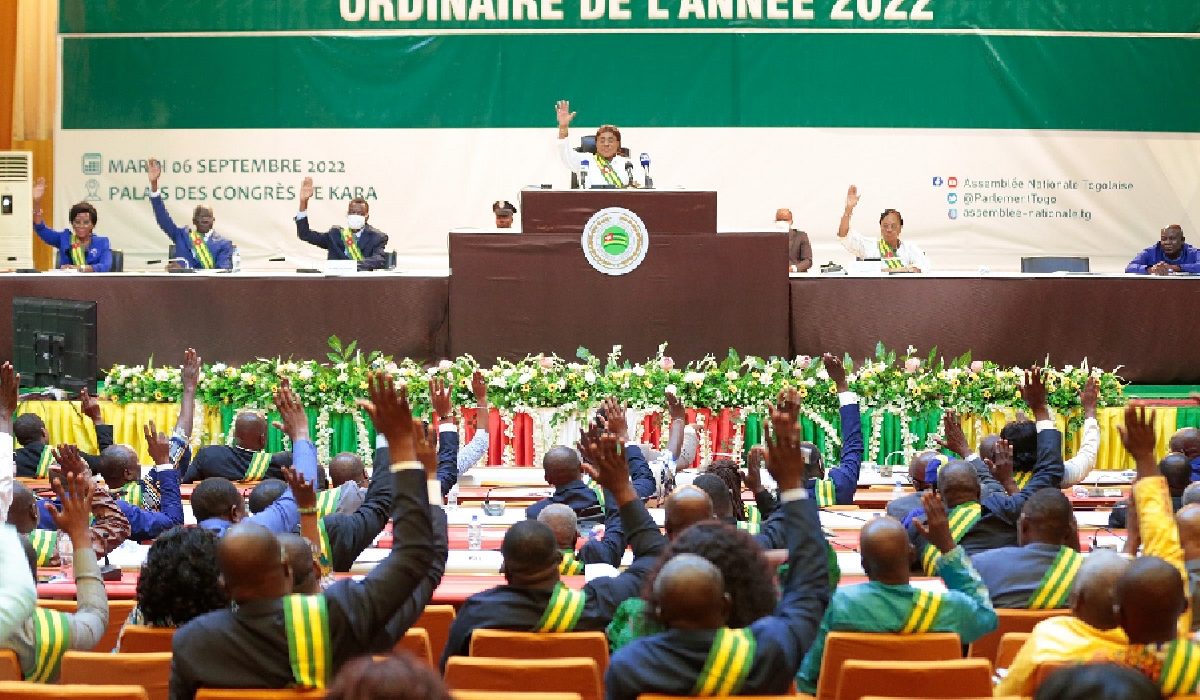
[[490, 508], [629, 172], [583, 173], [645, 159]]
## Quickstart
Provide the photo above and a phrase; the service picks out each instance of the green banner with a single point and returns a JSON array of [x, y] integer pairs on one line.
[[121, 16]]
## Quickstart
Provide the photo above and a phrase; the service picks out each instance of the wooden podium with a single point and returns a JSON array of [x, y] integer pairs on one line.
[[514, 295]]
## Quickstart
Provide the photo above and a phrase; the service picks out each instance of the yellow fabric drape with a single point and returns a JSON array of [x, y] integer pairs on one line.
[[34, 86], [65, 423]]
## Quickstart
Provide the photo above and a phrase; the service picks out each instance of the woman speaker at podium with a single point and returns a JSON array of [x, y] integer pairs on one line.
[[609, 167]]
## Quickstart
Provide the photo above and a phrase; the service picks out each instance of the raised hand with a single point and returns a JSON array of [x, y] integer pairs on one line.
[[303, 491], [1139, 439], [291, 412], [836, 370], [157, 444], [785, 460], [614, 418], [392, 416], [439, 396], [936, 528], [851, 198], [306, 192], [1001, 466], [675, 407], [754, 464], [89, 406], [39, 191], [607, 458], [955, 440], [73, 515], [563, 113], [9, 394], [479, 388], [69, 461], [1033, 391], [425, 443], [153, 171], [1089, 396], [189, 373]]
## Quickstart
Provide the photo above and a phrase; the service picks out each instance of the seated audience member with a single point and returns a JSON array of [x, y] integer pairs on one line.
[[179, 579], [748, 577], [984, 516], [534, 598], [306, 570], [563, 522], [918, 467], [17, 592], [1097, 682], [79, 248], [888, 603], [1092, 630], [1038, 573], [504, 212], [400, 676], [689, 599], [47, 634], [799, 249], [245, 460], [1021, 435], [34, 460], [357, 240], [897, 255], [347, 485], [152, 505], [1190, 495], [1175, 468], [349, 534], [1169, 255], [200, 247], [250, 645], [1151, 599], [1188, 522]]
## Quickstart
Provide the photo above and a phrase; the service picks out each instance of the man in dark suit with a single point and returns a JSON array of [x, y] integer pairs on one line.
[[355, 241], [799, 249], [30, 431]]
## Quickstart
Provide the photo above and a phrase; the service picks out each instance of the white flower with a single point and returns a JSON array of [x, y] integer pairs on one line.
[[822, 374], [731, 375], [910, 350], [589, 377], [340, 365], [305, 373], [162, 374], [765, 379], [343, 377], [525, 377], [671, 389], [445, 364], [639, 371], [696, 378], [391, 368], [499, 382]]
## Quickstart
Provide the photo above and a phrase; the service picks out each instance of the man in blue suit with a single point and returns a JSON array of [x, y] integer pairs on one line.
[[78, 247], [355, 241], [199, 246]]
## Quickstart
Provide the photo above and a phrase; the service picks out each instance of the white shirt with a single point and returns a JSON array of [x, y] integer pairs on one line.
[[1079, 466], [910, 253], [572, 159], [6, 475]]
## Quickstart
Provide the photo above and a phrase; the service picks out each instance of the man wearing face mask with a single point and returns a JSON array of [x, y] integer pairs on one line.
[[609, 167], [354, 241], [199, 247], [78, 248]]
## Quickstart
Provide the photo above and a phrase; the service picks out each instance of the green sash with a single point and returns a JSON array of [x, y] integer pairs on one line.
[[132, 493], [1022, 478], [753, 515], [1056, 584], [563, 610], [752, 528], [306, 618], [351, 247], [78, 254], [569, 565], [45, 544], [327, 501], [257, 468], [51, 639], [598, 490], [962, 519], [926, 605], [728, 664], [200, 248], [889, 255], [825, 493], [325, 555], [44, 462], [609, 174], [1180, 669]]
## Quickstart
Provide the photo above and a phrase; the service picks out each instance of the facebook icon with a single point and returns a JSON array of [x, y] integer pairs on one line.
[[937, 181]]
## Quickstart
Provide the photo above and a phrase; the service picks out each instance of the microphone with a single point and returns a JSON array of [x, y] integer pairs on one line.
[[488, 507], [629, 172], [645, 159], [583, 173]]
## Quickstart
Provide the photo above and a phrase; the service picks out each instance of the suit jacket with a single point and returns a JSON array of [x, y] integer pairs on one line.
[[799, 250], [371, 243], [98, 253], [26, 458], [229, 462], [220, 247]]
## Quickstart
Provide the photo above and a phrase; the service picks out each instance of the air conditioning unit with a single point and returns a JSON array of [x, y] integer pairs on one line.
[[16, 210]]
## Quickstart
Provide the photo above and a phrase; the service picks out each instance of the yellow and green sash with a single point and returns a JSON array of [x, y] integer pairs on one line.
[[926, 605], [563, 610], [51, 639], [200, 248], [351, 247], [962, 519], [325, 555], [753, 515], [78, 254], [728, 664], [598, 490], [133, 493], [1022, 478], [889, 255], [44, 462], [825, 493], [569, 565], [45, 545], [257, 468], [752, 528], [306, 618], [327, 501], [610, 175], [1056, 584], [1180, 669]]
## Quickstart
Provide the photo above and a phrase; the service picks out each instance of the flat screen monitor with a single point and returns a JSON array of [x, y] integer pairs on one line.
[[54, 343]]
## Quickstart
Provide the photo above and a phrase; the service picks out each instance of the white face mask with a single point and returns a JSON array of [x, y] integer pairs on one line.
[[356, 221]]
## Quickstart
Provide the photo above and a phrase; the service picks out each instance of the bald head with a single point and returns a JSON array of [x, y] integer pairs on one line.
[[250, 431], [1187, 441], [1177, 470], [306, 577], [561, 465], [563, 522], [958, 483], [1188, 521], [1150, 599], [917, 467], [987, 446], [1191, 494], [1047, 518], [253, 565], [685, 507], [886, 551], [784, 215], [689, 593], [347, 466], [530, 554], [118, 465], [1094, 592], [23, 512]]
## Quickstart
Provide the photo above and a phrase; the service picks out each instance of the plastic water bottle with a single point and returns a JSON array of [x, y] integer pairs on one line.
[[452, 498], [475, 534], [237, 259], [66, 556]]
